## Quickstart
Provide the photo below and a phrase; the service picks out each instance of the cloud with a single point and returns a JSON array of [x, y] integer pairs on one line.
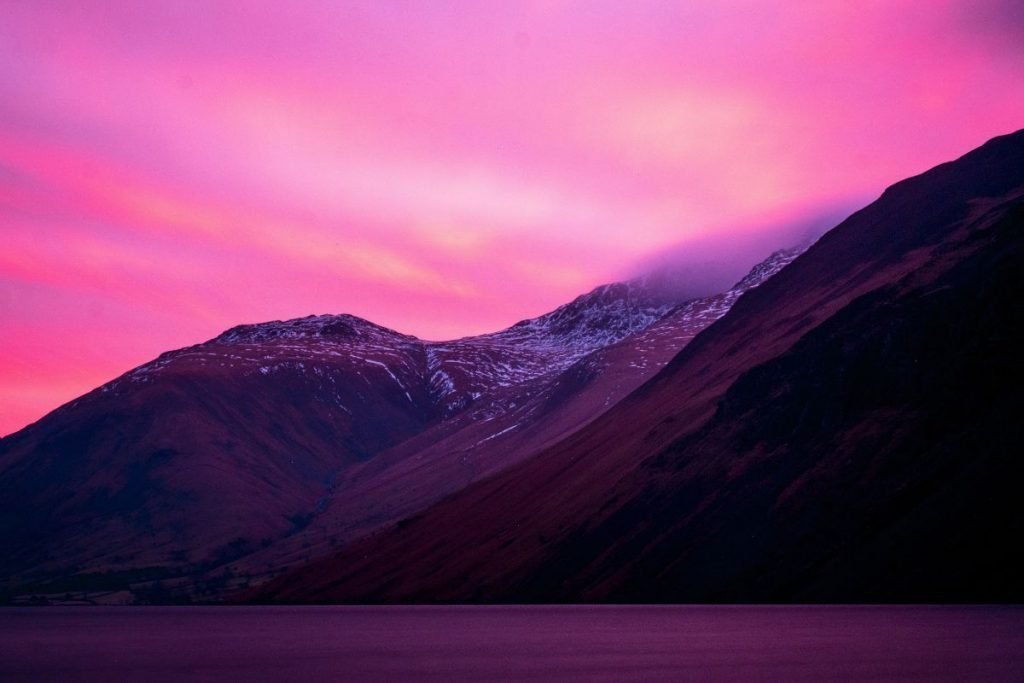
[[444, 168], [713, 262]]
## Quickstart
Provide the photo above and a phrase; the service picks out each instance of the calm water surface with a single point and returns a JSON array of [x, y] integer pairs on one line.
[[754, 643]]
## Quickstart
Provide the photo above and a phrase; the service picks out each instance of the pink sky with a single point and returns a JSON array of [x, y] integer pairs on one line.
[[168, 170]]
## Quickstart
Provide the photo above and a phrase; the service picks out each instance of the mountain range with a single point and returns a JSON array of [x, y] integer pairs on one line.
[[841, 425], [221, 464]]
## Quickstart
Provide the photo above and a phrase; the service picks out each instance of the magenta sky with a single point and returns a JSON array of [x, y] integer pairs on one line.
[[170, 169]]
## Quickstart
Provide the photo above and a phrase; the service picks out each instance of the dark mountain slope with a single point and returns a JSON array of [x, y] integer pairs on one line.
[[876, 460], [846, 431]]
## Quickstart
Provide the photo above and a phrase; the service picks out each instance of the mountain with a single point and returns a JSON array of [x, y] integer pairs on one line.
[[219, 464], [513, 420], [849, 431]]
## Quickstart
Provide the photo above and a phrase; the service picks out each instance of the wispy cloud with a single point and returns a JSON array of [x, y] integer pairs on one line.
[[170, 169]]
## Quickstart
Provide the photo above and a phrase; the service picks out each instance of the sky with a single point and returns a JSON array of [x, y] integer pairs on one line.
[[171, 169]]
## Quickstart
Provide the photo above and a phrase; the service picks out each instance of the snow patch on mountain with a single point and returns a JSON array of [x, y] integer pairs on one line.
[[450, 376]]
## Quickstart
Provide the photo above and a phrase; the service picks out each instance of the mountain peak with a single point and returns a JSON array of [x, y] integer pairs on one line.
[[341, 325], [600, 317]]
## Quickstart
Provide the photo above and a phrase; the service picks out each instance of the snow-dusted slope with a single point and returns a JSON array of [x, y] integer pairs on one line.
[[452, 375], [517, 415]]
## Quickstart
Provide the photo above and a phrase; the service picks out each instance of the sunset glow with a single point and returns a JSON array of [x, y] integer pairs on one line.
[[169, 170]]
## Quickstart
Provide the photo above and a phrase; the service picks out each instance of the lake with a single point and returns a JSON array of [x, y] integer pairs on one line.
[[592, 643]]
